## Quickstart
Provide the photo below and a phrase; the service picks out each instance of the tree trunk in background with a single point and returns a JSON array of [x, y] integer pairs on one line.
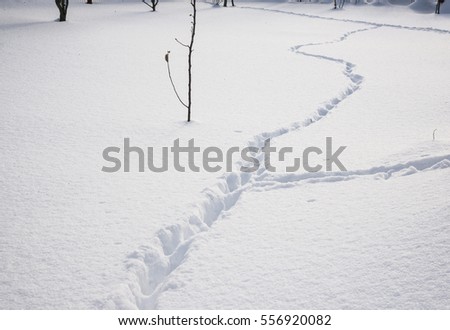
[[225, 3], [62, 6], [89, 2], [438, 7], [152, 4]]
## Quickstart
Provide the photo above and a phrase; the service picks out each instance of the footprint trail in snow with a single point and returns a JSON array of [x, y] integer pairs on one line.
[[150, 266]]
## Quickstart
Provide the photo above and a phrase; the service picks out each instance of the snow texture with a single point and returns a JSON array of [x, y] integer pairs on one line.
[[375, 78]]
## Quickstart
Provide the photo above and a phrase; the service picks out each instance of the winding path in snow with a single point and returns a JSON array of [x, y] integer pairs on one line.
[[151, 265], [394, 26]]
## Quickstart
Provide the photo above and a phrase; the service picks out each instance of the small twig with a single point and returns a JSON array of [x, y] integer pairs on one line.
[[184, 45], [147, 4], [171, 80], [434, 134]]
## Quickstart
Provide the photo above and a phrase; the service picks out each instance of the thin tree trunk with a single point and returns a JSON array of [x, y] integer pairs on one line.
[[152, 4], [191, 48], [438, 7], [62, 7]]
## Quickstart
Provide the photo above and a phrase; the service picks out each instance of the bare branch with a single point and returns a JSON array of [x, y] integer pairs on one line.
[[184, 45], [171, 80], [147, 4]]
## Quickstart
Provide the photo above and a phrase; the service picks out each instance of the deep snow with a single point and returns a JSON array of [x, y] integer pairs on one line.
[[374, 78]]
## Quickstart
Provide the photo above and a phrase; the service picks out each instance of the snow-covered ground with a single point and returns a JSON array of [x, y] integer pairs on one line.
[[374, 78]]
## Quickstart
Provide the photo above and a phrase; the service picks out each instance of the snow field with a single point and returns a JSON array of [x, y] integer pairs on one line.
[[74, 237]]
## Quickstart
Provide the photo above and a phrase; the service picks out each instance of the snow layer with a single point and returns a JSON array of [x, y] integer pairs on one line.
[[74, 237], [366, 243]]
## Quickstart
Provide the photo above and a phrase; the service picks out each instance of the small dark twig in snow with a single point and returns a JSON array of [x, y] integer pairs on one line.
[[184, 45], [171, 80]]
